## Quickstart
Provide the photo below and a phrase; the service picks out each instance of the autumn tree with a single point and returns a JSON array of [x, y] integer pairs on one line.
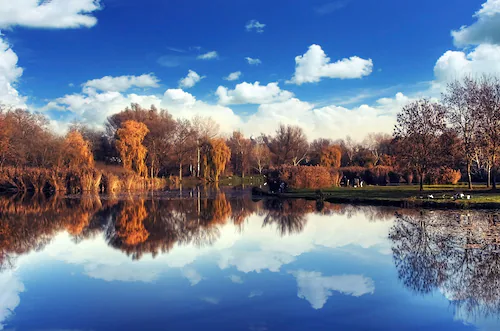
[[204, 129], [130, 146], [77, 151], [159, 139], [183, 143], [216, 157], [289, 145], [241, 152], [316, 149], [261, 156], [462, 105], [331, 157], [419, 126]]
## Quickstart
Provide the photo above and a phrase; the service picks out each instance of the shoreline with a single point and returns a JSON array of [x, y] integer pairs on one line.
[[388, 196]]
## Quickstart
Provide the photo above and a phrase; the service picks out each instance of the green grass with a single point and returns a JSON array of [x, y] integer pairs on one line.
[[407, 195]]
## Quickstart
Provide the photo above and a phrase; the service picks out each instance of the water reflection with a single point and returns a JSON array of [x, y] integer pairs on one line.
[[323, 250], [457, 253]]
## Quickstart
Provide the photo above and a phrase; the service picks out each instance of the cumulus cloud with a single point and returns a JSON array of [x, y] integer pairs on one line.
[[330, 121], [247, 93], [208, 56], [252, 61], [233, 76], [316, 288], [54, 14], [256, 26], [314, 65], [235, 279], [122, 83], [190, 80], [485, 30], [484, 59], [10, 73]]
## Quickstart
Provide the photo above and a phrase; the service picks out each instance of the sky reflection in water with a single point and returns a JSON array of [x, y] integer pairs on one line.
[[228, 263]]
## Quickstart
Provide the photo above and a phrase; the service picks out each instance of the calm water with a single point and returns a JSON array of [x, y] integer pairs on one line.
[[229, 263]]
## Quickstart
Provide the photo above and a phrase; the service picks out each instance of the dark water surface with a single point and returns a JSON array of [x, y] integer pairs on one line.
[[224, 262]]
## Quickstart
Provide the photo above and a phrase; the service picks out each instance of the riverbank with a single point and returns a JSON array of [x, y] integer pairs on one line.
[[406, 196]]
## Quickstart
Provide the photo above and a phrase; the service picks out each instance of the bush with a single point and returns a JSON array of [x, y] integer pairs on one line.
[[309, 177], [444, 175]]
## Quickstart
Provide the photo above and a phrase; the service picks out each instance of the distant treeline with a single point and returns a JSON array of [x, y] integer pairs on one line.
[[433, 142]]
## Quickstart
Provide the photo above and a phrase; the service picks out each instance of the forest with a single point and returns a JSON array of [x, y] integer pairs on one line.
[[434, 142]]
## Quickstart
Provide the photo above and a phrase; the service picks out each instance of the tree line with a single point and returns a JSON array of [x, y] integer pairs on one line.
[[433, 142]]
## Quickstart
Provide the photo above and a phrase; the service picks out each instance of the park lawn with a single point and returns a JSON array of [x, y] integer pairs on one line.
[[408, 195]]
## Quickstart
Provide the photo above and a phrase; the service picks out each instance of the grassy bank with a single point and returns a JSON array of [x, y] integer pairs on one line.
[[405, 196]]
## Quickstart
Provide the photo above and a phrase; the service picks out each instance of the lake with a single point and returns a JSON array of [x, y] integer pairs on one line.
[[217, 260]]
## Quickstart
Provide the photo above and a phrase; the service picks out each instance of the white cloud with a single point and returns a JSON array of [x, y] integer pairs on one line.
[[235, 279], [182, 104], [190, 80], [252, 61], [316, 288], [247, 93], [208, 56], [211, 300], [233, 76], [330, 121], [255, 25], [314, 65], [55, 14], [9, 295], [485, 30], [484, 59], [122, 83], [10, 73]]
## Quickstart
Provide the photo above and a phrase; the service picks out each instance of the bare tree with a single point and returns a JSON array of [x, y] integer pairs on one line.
[[419, 126], [462, 108], [289, 145], [489, 113]]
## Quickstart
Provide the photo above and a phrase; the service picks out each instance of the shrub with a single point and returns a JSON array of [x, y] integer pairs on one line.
[[444, 175], [308, 176]]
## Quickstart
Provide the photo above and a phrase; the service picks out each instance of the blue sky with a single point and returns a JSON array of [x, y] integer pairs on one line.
[[382, 54]]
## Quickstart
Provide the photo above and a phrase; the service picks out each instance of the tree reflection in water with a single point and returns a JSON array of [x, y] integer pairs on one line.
[[457, 253], [139, 225]]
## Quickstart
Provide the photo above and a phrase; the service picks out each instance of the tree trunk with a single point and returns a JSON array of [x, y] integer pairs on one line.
[[421, 180], [180, 172], [488, 183], [469, 176], [198, 170], [494, 173]]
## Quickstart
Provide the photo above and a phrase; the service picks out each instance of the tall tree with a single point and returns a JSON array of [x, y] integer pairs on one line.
[[216, 158], [241, 149], [204, 129], [419, 126], [261, 156], [489, 113], [183, 143], [331, 157], [77, 152], [462, 104], [289, 145], [130, 146]]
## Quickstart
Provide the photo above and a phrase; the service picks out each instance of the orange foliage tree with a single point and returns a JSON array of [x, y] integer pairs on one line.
[[217, 156], [77, 152], [129, 144], [331, 156]]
